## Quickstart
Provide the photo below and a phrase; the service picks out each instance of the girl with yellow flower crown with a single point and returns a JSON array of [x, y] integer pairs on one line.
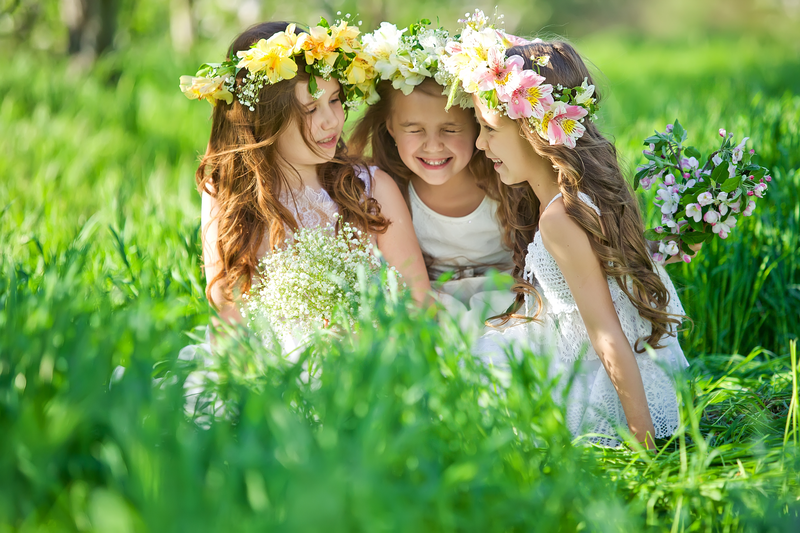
[[276, 161]]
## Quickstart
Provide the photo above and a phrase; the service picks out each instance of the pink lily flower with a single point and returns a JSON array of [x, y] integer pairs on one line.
[[563, 127], [529, 97], [498, 71]]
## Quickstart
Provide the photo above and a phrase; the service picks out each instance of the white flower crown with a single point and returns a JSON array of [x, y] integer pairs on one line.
[[408, 56]]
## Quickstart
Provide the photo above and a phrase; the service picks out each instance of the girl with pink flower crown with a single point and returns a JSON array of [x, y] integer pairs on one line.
[[451, 189], [588, 290], [276, 161]]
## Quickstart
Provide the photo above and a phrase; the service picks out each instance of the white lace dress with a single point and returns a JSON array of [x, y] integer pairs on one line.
[[592, 403], [468, 246]]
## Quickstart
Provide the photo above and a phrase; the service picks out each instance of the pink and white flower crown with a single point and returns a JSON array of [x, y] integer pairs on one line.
[[477, 57]]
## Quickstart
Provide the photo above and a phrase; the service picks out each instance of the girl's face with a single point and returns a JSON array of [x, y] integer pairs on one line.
[[433, 143], [324, 121], [500, 138]]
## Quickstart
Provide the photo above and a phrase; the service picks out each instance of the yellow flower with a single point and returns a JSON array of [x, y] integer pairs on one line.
[[318, 45], [361, 69], [210, 89], [275, 56], [345, 37]]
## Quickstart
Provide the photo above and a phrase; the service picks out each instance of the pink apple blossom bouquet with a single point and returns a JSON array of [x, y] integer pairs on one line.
[[698, 198]]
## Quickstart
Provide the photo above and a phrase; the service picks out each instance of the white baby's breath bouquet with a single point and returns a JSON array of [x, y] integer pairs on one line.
[[313, 281]]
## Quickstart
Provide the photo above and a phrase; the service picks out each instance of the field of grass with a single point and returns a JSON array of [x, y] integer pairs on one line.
[[398, 430]]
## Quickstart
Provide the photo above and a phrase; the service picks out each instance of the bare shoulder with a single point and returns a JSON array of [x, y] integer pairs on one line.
[[384, 189], [561, 235]]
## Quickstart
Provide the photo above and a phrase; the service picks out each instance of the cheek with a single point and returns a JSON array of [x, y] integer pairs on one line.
[[463, 145]]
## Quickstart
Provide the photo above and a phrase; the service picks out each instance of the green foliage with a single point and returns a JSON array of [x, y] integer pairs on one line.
[[397, 429]]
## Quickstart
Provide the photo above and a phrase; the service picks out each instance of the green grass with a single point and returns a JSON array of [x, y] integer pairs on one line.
[[399, 430]]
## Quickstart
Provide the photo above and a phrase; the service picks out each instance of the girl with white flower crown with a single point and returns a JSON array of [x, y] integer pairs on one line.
[[430, 152], [276, 161], [587, 288]]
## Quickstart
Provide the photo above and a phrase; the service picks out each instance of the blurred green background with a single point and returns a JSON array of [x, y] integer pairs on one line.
[[100, 268]]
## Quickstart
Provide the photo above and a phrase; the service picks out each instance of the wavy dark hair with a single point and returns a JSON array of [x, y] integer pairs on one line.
[[243, 170], [591, 167]]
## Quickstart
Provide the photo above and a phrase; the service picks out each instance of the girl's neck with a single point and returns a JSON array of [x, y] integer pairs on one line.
[[457, 197], [303, 176], [545, 188]]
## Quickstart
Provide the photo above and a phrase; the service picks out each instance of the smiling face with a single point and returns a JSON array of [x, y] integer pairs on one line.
[[500, 138], [324, 122], [433, 143]]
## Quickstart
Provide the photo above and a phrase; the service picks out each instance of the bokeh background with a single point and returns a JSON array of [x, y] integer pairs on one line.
[[100, 270]]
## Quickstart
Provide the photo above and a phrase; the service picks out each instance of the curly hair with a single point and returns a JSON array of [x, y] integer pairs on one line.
[[592, 168], [242, 169]]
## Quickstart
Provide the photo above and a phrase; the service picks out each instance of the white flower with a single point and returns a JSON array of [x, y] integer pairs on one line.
[[705, 198], [669, 201], [669, 248], [712, 217], [585, 92], [738, 152], [717, 160], [731, 170], [723, 228], [694, 211]]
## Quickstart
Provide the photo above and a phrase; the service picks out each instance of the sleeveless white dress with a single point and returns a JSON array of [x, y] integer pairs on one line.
[[592, 403], [468, 246]]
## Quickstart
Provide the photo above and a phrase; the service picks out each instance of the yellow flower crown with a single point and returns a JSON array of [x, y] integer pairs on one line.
[[329, 51]]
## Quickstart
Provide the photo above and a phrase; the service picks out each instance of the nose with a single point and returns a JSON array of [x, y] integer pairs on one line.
[[328, 118], [432, 143], [480, 142]]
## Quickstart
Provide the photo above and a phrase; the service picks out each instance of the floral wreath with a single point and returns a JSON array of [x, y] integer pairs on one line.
[[408, 56], [477, 57], [329, 51]]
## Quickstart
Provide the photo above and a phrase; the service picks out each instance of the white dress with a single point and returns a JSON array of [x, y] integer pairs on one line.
[[468, 246], [592, 403]]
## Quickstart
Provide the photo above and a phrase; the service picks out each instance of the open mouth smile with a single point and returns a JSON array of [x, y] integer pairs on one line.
[[329, 142], [434, 163]]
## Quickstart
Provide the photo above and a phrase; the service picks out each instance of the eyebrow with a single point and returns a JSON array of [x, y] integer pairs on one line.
[[408, 124]]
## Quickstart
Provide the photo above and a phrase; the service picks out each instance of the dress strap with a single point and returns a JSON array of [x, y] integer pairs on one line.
[[588, 201], [556, 197], [583, 197]]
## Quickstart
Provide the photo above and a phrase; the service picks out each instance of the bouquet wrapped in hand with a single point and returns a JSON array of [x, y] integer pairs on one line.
[[314, 280], [698, 197]]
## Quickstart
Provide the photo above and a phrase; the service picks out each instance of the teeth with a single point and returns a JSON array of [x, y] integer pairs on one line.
[[435, 162], [497, 161], [326, 141]]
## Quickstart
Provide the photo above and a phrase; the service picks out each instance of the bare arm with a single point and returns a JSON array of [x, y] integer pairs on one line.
[[399, 243], [213, 262], [570, 247]]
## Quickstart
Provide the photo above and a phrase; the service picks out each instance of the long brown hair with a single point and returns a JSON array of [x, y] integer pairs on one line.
[[371, 138], [592, 168], [242, 170]]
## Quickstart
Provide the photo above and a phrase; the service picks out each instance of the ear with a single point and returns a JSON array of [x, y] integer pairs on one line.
[[390, 126]]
